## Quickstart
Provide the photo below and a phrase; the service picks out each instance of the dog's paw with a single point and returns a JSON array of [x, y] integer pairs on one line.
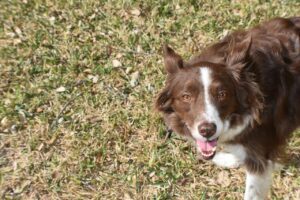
[[227, 160]]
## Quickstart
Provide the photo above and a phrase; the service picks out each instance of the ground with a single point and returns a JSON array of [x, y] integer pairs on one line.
[[77, 83]]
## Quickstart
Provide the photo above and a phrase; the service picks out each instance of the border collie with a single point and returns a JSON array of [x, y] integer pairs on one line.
[[239, 100]]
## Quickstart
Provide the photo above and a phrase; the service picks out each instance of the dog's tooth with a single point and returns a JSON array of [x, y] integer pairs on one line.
[[208, 154]]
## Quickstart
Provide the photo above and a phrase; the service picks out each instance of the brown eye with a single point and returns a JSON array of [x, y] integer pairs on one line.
[[222, 95], [186, 97]]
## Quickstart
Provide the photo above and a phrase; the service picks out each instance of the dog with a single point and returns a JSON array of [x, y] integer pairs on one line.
[[239, 100]]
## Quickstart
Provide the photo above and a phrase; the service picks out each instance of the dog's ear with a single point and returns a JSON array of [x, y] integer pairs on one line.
[[239, 51], [173, 61], [249, 94], [238, 57]]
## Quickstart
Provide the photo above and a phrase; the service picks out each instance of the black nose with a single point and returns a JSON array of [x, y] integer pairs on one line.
[[207, 129]]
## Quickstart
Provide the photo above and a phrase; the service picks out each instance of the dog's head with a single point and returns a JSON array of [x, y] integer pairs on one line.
[[208, 101]]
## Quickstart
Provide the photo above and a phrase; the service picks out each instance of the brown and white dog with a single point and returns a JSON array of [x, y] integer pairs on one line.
[[241, 94]]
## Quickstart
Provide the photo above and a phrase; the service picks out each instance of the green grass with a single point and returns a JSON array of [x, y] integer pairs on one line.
[[98, 136]]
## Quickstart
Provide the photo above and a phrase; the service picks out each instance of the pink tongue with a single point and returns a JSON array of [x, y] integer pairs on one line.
[[207, 145]]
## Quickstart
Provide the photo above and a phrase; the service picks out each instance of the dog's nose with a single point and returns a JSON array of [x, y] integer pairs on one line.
[[207, 129]]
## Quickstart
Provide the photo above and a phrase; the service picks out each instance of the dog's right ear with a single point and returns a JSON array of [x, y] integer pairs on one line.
[[173, 61]]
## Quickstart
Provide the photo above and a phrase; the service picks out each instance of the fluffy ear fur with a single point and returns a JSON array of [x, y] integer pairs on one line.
[[239, 63], [251, 98], [174, 123], [238, 57], [173, 61], [163, 101]]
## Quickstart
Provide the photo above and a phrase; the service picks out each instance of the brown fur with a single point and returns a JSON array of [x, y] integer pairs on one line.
[[262, 66]]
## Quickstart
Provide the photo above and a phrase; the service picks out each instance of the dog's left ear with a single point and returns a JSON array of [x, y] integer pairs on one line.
[[249, 93], [239, 56]]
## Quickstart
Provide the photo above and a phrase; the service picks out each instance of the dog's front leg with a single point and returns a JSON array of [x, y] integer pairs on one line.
[[258, 184]]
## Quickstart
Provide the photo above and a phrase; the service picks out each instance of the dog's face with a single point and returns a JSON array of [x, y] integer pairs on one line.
[[203, 99]]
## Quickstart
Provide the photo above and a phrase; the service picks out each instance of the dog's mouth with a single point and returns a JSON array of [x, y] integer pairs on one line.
[[207, 148]]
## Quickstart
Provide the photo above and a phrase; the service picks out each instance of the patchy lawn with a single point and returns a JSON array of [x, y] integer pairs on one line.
[[77, 83]]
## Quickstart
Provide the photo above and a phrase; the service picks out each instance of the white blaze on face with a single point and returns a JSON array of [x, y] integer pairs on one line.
[[211, 114]]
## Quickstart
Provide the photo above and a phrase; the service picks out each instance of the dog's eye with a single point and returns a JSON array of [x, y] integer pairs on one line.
[[222, 95], [186, 97]]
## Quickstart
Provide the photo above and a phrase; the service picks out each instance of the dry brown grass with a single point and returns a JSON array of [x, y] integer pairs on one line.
[[77, 82]]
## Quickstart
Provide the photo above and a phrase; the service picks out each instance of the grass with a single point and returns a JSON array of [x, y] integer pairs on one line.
[[77, 83]]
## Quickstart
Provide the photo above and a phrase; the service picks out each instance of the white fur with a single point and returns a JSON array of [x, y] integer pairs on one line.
[[232, 156], [212, 115], [232, 132], [258, 185], [277, 166]]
